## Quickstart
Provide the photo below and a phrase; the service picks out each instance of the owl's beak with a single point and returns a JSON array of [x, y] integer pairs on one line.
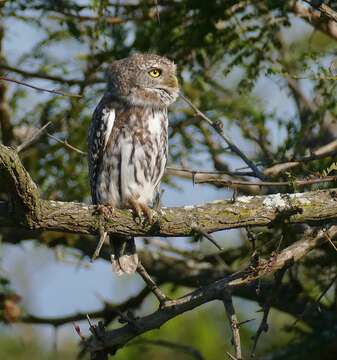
[[172, 81]]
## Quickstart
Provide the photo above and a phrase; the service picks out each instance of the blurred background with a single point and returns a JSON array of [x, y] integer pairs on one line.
[[264, 68]]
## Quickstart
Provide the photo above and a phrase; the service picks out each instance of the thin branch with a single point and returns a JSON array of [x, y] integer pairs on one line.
[[203, 233], [231, 356], [327, 150], [218, 127], [236, 183], [44, 76], [102, 239], [233, 321], [66, 144], [57, 92], [189, 273], [263, 327], [117, 338], [108, 313], [33, 139], [162, 298], [174, 170]]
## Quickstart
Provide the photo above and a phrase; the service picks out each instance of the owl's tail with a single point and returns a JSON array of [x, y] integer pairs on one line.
[[124, 258]]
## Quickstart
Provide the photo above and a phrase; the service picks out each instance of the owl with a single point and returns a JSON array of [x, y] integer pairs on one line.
[[127, 143]]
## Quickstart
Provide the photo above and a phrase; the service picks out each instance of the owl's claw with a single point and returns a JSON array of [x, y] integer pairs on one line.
[[147, 213], [141, 211], [106, 210]]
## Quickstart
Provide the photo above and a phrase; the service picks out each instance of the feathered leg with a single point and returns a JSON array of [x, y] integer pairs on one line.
[[124, 258]]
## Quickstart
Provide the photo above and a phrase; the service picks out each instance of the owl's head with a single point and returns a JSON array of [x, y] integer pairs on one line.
[[144, 80]]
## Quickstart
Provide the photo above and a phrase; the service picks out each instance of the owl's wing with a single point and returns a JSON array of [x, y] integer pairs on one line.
[[99, 132]]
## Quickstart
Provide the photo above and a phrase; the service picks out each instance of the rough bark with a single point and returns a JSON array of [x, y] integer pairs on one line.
[[26, 209]]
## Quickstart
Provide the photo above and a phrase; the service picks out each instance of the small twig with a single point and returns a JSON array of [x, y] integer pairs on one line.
[[103, 235], [322, 152], [263, 327], [33, 138], [65, 143], [108, 312], [207, 236], [78, 331], [330, 241], [172, 170], [231, 356], [218, 127], [43, 76], [58, 92], [245, 322], [128, 318], [230, 311], [162, 298], [89, 321]]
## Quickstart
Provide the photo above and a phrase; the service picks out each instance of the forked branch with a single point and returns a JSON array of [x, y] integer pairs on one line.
[[117, 338]]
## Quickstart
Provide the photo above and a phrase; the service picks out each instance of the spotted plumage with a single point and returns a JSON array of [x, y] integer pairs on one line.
[[128, 141]]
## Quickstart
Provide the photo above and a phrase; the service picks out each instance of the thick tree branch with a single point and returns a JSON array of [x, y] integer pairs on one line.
[[26, 209], [24, 203]]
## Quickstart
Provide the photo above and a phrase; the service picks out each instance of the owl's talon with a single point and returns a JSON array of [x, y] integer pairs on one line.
[[106, 210], [147, 212], [141, 211]]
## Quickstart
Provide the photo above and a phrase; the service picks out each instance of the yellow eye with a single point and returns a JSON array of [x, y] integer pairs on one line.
[[155, 73]]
